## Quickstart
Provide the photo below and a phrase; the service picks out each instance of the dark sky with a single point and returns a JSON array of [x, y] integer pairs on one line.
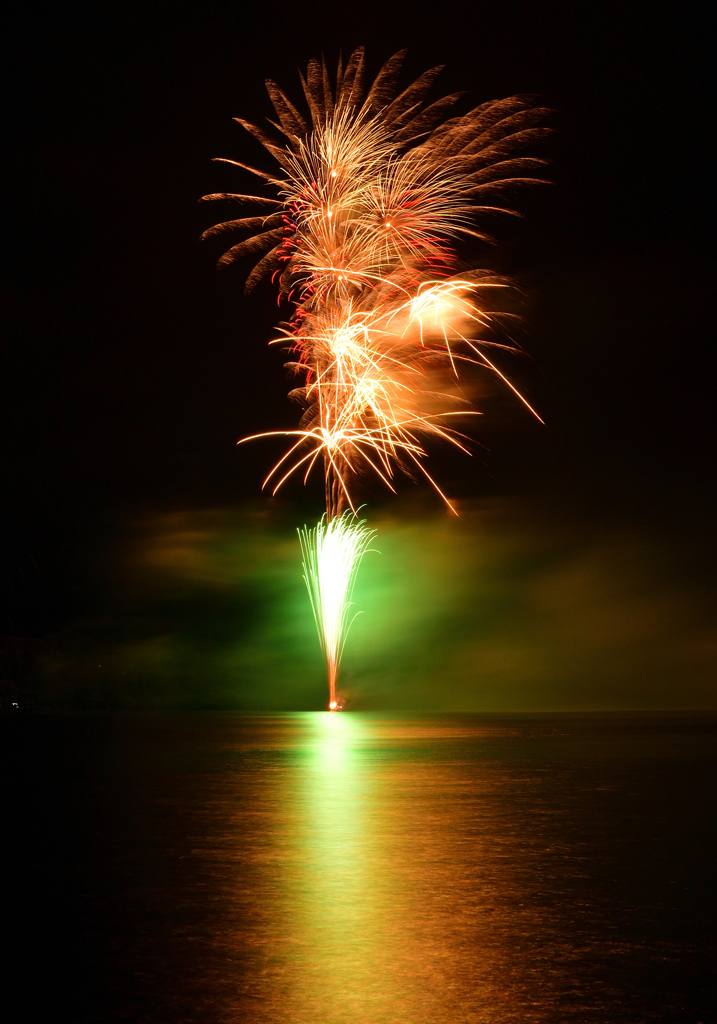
[[131, 366]]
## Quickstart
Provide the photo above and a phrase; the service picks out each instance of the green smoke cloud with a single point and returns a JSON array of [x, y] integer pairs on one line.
[[491, 611]]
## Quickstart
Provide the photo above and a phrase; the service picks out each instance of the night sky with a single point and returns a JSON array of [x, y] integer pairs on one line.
[[132, 366]]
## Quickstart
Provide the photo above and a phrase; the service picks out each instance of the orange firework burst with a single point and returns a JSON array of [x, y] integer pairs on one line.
[[372, 195]]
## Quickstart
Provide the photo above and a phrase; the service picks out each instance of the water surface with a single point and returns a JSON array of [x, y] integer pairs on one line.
[[312, 868]]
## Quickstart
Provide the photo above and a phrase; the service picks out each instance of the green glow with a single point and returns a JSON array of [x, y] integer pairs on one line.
[[332, 553], [509, 610]]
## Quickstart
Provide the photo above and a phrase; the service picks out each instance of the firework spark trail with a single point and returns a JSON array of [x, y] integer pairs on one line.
[[372, 195], [332, 553]]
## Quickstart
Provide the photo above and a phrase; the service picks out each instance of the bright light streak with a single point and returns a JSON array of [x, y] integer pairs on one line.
[[332, 553]]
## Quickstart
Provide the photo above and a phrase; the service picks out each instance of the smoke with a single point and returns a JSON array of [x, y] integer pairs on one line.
[[495, 610]]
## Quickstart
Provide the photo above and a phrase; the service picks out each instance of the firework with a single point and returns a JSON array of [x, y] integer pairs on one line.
[[372, 196], [332, 553]]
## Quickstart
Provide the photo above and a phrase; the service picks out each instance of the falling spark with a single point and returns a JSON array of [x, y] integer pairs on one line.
[[332, 553], [373, 194]]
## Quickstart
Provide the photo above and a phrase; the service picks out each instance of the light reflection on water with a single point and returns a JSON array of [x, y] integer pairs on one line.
[[324, 869], [335, 887], [375, 900], [435, 870]]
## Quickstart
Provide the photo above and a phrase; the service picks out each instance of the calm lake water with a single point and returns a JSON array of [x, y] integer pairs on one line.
[[312, 868]]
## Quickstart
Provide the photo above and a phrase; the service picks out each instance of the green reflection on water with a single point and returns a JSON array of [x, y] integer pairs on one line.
[[335, 891]]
